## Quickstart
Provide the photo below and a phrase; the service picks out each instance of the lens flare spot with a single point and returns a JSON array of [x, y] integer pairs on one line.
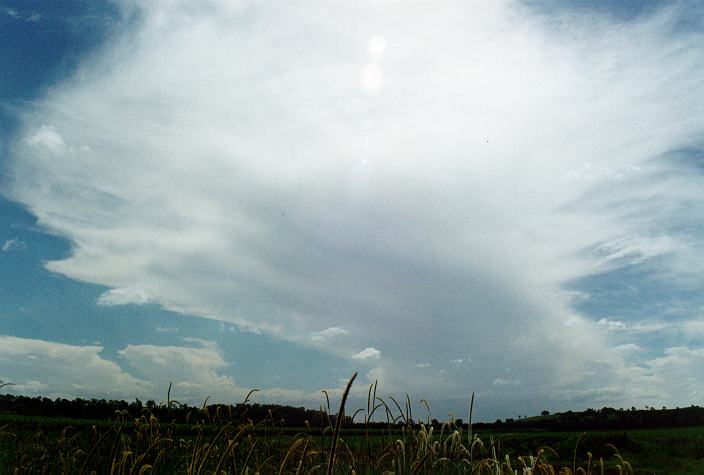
[[372, 77], [376, 46]]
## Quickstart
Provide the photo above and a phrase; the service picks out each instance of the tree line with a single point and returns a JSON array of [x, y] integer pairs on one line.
[[606, 418], [102, 409]]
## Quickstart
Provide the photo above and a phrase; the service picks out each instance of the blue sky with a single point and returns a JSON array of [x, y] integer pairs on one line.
[[493, 197]]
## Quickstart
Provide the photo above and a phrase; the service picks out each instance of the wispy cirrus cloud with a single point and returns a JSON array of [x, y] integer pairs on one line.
[[436, 179], [14, 244], [22, 16]]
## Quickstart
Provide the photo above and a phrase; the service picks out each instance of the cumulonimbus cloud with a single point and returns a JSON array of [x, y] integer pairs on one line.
[[430, 180]]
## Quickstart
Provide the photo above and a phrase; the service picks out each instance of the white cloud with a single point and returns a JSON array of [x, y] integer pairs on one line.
[[132, 295], [627, 349], [195, 369], [635, 250], [671, 379], [645, 327], [39, 367], [679, 373], [198, 369], [47, 138], [14, 245], [443, 201], [328, 333], [612, 324], [368, 354], [457, 361]]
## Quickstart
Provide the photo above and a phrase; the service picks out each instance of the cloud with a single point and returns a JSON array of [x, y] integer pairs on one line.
[[195, 369], [328, 333], [633, 250], [627, 349], [612, 324], [47, 140], [651, 326], [12, 13], [198, 369], [506, 382], [133, 295], [671, 379], [204, 373], [678, 372], [368, 354], [436, 179], [39, 367], [14, 244]]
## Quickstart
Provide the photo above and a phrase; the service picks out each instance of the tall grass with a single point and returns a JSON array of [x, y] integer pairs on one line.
[[226, 441]]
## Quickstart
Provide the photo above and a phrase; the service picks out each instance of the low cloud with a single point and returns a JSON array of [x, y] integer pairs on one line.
[[39, 367], [197, 370], [367, 354]]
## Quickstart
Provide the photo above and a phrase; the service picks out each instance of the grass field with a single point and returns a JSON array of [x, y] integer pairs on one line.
[[220, 442], [661, 451], [35, 444], [61, 444]]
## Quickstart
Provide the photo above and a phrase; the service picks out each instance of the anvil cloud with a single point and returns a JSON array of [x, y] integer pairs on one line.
[[422, 190]]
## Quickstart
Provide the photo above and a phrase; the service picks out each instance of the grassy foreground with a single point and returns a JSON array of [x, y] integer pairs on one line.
[[223, 441]]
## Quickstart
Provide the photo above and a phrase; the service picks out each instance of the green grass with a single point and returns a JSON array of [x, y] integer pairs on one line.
[[219, 443], [650, 451], [35, 443], [662, 451]]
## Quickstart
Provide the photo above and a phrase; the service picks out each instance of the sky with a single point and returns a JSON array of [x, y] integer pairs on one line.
[[500, 198]]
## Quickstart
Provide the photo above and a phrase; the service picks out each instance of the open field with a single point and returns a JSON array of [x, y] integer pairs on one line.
[[677, 451], [58, 443], [662, 451], [231, 439], [144, 445], [65, 445]]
